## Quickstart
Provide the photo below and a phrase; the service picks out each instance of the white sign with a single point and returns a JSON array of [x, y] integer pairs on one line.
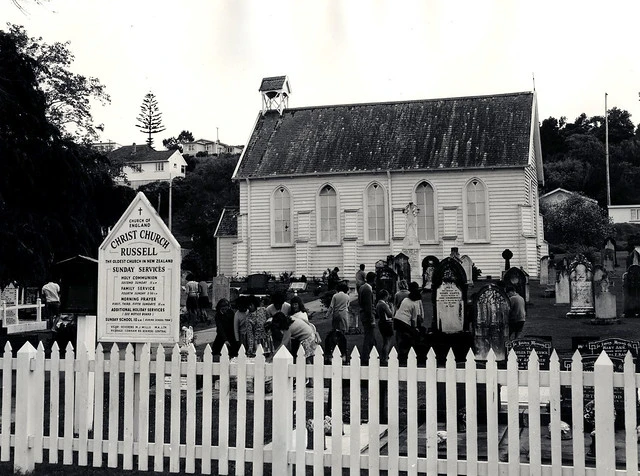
[[139, 279]]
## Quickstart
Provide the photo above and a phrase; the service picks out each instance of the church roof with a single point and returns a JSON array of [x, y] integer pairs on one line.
[[450, 133], [228, 223]]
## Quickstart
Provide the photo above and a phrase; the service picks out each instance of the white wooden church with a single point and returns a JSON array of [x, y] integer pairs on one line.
[[325, 186]]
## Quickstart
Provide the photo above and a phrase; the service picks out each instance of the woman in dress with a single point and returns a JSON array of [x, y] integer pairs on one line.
[[297, 310], [256, 328], [384, 313]]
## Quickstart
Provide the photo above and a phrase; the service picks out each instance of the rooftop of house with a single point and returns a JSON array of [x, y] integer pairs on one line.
[[464, 132], [140, 153]]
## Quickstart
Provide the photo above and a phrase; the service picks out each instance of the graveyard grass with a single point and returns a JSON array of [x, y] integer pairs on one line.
[[544, 318]]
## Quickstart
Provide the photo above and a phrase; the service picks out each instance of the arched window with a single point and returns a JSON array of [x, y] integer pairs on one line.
[[328, 216], [426, 212], [476, 211], [281, 217], [376, 218]]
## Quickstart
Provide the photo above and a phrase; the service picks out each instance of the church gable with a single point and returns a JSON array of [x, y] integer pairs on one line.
[[455, 133]]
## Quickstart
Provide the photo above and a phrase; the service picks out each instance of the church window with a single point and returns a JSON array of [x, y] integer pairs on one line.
[[281, 233], [426, 212], [476, 211], [328, 216], [376, 214]]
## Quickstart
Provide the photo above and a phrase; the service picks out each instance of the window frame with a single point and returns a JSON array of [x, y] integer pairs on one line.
[[385, 201], [435, 212], [159, 166], [319, 239], [465, 212], [272, 224], [637, 213]]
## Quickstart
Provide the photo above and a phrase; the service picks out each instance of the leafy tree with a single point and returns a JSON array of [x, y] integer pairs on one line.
[[150, 117], [551, 138], [576, 224], [620, 126], [67, 95], [175, 143]]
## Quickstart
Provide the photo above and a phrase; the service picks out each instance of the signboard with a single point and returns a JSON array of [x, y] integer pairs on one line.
[[139, 279]]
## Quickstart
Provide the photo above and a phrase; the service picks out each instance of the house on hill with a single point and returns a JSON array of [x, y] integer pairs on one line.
[[560, 195], [209, 147], [142, 164], [625, 213], [326, 186]]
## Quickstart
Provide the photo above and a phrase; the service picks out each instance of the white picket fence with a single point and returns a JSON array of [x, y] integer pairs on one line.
[[209, 420]]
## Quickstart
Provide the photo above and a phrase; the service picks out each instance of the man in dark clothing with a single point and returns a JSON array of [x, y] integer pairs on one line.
[[361, 278], [517, 313], [367, 316]]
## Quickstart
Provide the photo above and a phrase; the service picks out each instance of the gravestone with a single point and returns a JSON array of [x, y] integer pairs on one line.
[[631, 291], [10, 297], [634, 257], [221, 289], [581, 288], [609, 258], [562, 286], [455, 254], [139, 279], [449, 303], [525, 345], [402, 267], [257, 283], [604, 298], [544, 271], [518, 279], [411, 243], [467, 264], [428, 266], [386, 278], [507, 255], [490, 322]]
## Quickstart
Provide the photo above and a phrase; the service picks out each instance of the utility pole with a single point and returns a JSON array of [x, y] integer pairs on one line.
[[606, 147]]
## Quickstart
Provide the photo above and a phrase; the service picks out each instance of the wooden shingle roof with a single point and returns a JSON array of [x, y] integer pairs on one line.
[[465, 132], [228, 223], [272, 83], [143, 153]]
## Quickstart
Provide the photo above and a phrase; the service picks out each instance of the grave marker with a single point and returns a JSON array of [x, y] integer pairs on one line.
[[631, 291], [449, 303], [525, 345], [386, 278], [562, 286], [10, 297], [634, 257], [467, 264], [411, 243], [605, 300], [221, 289], [581, 288], [402, 267], [544, 271], [517, 278], [491, 322], [139, 279], [428, 266], [609, 258]]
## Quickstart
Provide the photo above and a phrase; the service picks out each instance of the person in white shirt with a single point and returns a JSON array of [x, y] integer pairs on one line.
[[51, 294], [338, 310]]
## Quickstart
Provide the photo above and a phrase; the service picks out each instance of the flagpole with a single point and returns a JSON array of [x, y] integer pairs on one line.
[[606, 147]]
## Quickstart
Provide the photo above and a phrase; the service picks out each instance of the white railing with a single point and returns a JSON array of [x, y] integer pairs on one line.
[[17, 325], [241, 413]]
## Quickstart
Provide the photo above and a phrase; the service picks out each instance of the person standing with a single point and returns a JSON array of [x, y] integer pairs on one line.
[[51, 294], [339, 308], [517, 313], [256, 330], [333, 279], [384, 313], [224, 328], [240, 324], [407, 319], [192, 300], [402, 293], [203, 300], [367, 317], [361, 278]]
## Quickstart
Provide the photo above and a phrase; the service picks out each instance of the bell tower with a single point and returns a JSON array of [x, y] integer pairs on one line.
[[275, 94]]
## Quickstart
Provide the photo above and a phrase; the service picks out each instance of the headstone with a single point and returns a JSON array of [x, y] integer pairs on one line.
[[257, 283], [411, 243], [525, 345], [402, 267], [562, 286], [507, 255], [386, 278], [31, 295], [609, 258], [581, 288], [428, 266], [631, 291], [455, 254], [139, 279], [544, 271], [490, 322], [634, 257], [518, 279], [604, 298], [467, 264], [10, 297], [221, 289], [449, 303], [298, 286]]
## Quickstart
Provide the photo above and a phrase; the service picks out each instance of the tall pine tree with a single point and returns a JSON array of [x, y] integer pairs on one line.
[[150, 117]]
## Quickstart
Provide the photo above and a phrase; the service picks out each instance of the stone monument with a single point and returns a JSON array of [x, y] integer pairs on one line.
[[631, 291], [609, 257], [518, 279], [221, 289], [428, 266], [450, 296], [544, 271], [490, 322], [10, 297], [634, 256], [581, 288], [411, 243], [467, 264], [604, 298], [507, 255], [562, 286], [402, 267]]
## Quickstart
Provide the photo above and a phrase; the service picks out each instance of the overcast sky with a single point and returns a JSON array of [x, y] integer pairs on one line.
[[204, 59]]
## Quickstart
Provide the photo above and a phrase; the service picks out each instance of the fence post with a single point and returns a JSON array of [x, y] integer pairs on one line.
[[26, 423], [605, 432], [282, 412], [38, 310]]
